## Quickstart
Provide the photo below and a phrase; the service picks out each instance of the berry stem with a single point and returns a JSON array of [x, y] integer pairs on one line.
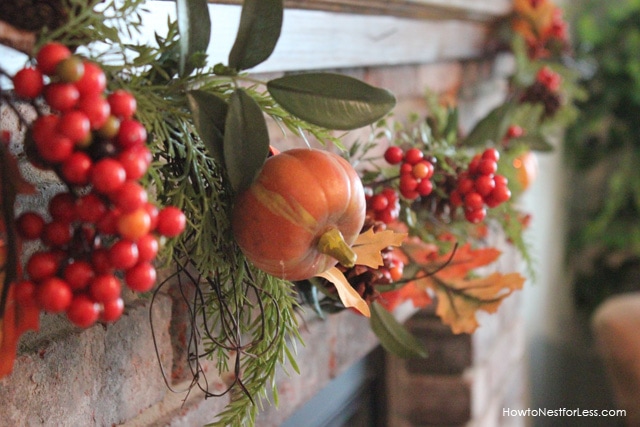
[[332, 243]]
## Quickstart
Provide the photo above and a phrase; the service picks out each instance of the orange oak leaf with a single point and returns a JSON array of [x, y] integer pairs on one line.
[[419, 296], [368, 246], [460, 299], [456, 264], [348, 295]]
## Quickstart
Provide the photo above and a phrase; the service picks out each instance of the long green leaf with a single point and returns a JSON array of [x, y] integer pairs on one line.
[[492, 127], [393, 336], [258, 33], [333, 101], [246, 140], [194, 25], [209, 115]]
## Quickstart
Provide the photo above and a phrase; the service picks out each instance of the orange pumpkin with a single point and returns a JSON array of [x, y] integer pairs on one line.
[[301, 214]]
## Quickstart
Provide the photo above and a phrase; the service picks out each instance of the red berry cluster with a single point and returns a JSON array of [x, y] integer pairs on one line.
[[415, 171], [480, 186], [414, 181], [103, 230]]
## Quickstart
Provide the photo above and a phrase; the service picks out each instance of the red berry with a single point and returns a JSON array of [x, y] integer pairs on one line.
[[108, 223], [62, 207], [133, 225], [465, 185], [455, 198], [112, 310], [96, 108], [61, 96], [76, 168], [78, 274], [487, 167], [123, 104], [153, 212], [491, 154], [379, 202], [50, 56], [141, 277], [387, 216], [105, 287], [484, 184], [44, 127], [475, 216], [130, 197], [93, 81], [108, 175], [131, 134], [390, 194], [406, 168], [28, 83], [394, 155], [90, 208], [473, 201], [56, 149], [500, 181], [473, 165], [425, 187], [413, 156], [54, 295], [514, 131], [136, 161], [57, 233], [123, 254], [147, 248], [422, 170], [75, 125], [83, 311], [30, 225], [171, 221], [42, 265], [500, 194]]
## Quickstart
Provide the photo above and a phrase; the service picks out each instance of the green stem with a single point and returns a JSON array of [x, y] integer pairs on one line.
[[332, 243]]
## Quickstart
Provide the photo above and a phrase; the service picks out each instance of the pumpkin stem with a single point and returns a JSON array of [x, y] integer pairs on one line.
[[332, 243]]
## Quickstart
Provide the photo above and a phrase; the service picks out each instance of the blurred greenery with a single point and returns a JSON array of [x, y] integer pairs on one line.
[[603, 150]]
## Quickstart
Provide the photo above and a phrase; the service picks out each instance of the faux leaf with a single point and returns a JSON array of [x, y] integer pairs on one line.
[[15, 321], [535, 142], [246, 140], [258, 33], [452, 266], [368, 246], [419, 296], [333, 101], [460, 299], [209, 114], [492, 127], [348, 295], [393, 336], [194, 25]]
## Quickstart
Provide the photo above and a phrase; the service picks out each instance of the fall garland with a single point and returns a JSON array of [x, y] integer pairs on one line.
[[410, 226]]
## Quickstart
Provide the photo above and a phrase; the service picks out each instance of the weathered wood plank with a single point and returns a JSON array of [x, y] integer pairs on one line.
[[313, 39]]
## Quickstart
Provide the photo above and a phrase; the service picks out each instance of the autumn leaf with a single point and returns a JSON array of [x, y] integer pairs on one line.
[[460, 299], [419, 296], [348, 295], [368, 246], [456, 264]]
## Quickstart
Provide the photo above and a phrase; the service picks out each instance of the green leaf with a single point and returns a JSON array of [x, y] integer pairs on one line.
[[209, 113], [333, 101], [194, 25], [393, 336], [246, 140], [258, 33], [492, 127], [536, 142]]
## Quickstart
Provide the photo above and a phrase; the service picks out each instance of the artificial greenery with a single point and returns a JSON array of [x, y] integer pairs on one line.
[[208, 134], [603, 150]]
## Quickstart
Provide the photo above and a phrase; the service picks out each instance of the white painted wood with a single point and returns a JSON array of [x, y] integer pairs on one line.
[[314, 39]]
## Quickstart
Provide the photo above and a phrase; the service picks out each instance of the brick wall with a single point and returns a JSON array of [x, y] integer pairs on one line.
[[109, 375]]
